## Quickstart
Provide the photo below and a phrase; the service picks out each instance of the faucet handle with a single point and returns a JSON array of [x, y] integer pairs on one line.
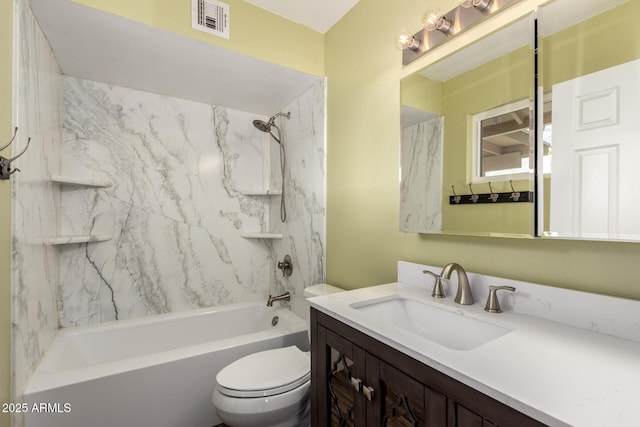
[[438, 291], [493, 305]]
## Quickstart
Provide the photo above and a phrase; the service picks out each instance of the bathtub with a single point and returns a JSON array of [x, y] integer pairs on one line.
[[154, 371]]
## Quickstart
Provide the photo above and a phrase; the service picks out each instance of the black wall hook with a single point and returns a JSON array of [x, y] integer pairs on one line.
[[5, 164]]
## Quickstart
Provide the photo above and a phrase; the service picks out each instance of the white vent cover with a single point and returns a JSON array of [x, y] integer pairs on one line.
[[211, 17]]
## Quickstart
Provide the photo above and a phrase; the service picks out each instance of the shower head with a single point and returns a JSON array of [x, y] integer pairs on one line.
[[267, 127], [262, 126]]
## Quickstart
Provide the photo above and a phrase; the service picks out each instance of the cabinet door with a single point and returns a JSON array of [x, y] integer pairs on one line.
[[407, 402], [338, 369]]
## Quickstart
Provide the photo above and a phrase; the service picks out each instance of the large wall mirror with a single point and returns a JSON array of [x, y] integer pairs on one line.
[[466, 138], [589, 62], [472, 122]]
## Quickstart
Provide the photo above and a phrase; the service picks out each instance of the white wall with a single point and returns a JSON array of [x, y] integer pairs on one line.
[[176, 208]]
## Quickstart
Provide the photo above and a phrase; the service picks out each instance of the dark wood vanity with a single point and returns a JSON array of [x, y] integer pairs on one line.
[[360, 381]]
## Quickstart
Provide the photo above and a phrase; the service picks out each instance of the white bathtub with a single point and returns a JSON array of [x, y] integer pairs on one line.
[[155, 371]]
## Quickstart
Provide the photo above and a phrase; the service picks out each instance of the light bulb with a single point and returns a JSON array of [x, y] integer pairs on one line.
[[405, 40], [466, 3], [431, 17], [481, 5]]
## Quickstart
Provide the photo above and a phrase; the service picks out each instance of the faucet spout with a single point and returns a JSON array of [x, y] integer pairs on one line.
[[284, 297], [463, 296]]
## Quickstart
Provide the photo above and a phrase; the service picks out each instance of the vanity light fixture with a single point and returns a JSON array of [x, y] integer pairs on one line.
[[439, 27]]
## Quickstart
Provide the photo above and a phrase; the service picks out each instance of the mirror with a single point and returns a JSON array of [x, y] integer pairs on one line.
[[589, 67], [466, 129]]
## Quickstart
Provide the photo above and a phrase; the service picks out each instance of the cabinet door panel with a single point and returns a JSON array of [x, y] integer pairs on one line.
[[345, 374], [408, 402], [466, 418]]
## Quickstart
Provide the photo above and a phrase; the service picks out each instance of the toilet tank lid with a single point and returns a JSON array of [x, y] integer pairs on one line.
[[321, 289]]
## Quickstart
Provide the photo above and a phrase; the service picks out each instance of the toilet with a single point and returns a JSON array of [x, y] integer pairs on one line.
[[268, 388]]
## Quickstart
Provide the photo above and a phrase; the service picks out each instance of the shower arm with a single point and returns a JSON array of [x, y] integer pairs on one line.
[[272, 120]]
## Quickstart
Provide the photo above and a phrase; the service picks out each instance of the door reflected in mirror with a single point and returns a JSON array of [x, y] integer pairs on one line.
[[590, 69]]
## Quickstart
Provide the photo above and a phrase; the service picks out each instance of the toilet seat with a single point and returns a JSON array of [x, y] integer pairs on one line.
[[266, 373]]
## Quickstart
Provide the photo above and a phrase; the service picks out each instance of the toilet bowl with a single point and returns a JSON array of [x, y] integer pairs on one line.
[[268, 388]]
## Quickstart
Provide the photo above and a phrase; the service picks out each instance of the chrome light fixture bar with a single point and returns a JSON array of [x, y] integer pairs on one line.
[[438, 27]]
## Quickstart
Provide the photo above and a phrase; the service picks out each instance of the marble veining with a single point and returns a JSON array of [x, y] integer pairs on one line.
[[421, 177], [304, 231], [35, 200], [176, 207]]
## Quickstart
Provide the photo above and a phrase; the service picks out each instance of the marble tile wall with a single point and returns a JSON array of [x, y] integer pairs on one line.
[[421, 177], [304, 231], [34, 275], [176, 206]]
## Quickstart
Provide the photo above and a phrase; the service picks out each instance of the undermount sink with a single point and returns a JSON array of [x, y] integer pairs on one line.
[[446, 328]]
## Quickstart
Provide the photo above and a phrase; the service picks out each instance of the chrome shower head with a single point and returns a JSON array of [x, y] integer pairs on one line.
[[262, 126]]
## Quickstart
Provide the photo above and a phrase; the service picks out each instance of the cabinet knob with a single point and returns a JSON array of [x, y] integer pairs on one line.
[[368, 392], [356, 384]]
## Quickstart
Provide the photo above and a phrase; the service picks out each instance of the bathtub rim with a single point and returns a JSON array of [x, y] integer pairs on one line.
[[43, 380]]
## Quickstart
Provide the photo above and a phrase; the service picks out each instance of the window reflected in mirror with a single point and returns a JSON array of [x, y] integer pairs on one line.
[[502, 138]]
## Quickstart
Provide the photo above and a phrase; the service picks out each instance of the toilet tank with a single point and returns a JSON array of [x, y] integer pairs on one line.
[[316, 291]]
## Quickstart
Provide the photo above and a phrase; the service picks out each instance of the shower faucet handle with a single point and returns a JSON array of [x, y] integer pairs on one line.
[[286, 266]]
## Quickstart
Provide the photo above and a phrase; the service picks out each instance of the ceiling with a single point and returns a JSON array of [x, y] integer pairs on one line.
[[315, 14], [95, 45]]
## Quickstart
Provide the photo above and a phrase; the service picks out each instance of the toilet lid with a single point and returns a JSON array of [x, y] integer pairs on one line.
[[265, 373]]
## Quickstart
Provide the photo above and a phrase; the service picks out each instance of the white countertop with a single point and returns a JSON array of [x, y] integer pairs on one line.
[[559, 374]]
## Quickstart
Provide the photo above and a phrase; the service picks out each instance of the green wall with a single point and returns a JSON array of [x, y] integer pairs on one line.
[[363, 241], [6, 40]]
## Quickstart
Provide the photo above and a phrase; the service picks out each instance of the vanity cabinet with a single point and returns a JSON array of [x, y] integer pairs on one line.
[[360, 381]]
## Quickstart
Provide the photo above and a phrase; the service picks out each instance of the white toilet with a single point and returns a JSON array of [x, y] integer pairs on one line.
[[268, 388]]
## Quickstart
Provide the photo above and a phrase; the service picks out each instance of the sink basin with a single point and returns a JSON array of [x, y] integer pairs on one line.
[[446, 328]]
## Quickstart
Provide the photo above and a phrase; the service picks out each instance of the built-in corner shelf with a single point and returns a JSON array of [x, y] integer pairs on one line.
[[82, 182], [261, 235], [67, 240], [265, 193]]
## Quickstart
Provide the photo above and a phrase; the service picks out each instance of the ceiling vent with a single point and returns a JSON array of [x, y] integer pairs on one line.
[[211, 17]]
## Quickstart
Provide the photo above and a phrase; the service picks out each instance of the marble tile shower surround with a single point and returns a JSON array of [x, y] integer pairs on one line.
[[421, 180], [34, 265], [175, 209], [304, 231]]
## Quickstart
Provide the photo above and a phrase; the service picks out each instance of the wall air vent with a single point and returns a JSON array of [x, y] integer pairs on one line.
[[211, 17]]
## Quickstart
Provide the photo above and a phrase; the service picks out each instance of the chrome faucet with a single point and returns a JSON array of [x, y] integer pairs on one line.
[[284, 297], [463, 296]]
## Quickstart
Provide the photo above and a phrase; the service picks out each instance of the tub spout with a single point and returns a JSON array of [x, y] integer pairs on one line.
[[284, 297]]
